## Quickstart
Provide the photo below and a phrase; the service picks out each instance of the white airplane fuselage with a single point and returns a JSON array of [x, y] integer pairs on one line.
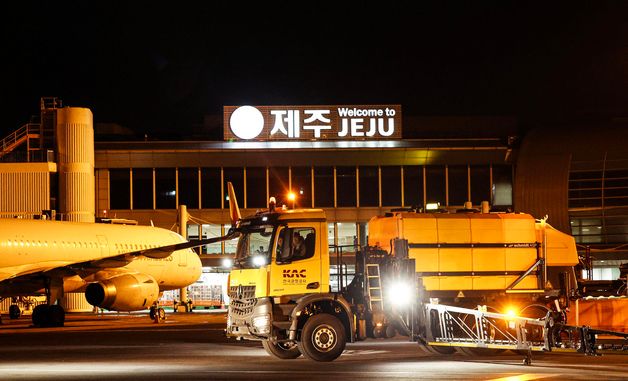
[[31, 247]]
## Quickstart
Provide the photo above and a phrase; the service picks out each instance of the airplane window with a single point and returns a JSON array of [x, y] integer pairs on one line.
[[22, 243], [27, 244]]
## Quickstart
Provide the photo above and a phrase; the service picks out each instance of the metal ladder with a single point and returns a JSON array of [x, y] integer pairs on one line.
[[374, 286]]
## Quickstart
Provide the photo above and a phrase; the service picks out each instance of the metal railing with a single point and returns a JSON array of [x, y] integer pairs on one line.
[[19, 136]]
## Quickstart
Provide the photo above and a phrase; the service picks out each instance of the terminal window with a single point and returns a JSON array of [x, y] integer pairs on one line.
[[188, 187], [391, 186], [278, 184], [413, 186], [120, 188], [255, 187], [458, 181], [302, 186], [165, 188], [369, 186], [236, 177], [142, 188], [435, 186], [324, 187], [480, 184], [346, 186], [210, 188]]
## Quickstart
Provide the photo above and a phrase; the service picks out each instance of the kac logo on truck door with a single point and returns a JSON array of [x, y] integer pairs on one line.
[[294, 276], [312, 122]]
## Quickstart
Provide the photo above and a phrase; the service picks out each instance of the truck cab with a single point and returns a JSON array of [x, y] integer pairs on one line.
[[280, 281]]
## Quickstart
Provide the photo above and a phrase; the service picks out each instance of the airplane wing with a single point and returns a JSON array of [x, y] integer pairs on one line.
[[165, 251], [155, 253]]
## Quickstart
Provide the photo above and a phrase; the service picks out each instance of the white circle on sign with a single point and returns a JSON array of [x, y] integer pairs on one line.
[[246, 122]]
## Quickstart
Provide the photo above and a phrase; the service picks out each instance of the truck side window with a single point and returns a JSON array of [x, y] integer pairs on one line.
[[282, 253], [295, 244]]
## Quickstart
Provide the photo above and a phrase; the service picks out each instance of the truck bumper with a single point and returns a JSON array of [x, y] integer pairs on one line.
[[251, 324]]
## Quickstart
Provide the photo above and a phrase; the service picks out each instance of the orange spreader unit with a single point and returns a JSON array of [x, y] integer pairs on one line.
[[601, 313]]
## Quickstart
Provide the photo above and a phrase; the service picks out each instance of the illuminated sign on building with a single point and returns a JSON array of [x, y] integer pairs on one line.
[[312, 122]]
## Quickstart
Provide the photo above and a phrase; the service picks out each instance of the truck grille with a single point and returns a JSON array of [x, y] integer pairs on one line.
[[242, 300]]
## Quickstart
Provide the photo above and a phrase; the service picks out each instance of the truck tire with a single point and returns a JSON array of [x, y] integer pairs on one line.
[[323, 338], [284, 351]]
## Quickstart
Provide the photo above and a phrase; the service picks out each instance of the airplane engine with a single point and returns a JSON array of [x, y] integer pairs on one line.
[[128, 292]]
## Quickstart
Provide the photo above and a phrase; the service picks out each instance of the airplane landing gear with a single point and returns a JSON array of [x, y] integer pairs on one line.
[[157, 314], [48, 316], [14, 312]]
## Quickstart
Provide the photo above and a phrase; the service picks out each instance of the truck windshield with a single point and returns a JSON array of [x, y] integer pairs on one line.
[[254, 246]]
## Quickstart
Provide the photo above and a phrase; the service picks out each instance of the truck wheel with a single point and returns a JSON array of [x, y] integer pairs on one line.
[[284, 351], [323, 338]]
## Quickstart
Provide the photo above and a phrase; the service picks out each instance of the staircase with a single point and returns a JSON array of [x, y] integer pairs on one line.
[[28, 133], [39, 136]]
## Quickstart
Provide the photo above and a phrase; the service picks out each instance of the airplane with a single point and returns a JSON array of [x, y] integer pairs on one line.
[[119, 267]]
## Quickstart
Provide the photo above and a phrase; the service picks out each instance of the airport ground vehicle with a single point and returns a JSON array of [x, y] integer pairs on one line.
[[422, 275]]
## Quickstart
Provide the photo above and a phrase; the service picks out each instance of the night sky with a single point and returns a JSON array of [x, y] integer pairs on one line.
[[160, 69]]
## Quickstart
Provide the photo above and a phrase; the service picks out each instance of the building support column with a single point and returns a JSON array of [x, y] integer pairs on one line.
[[183, 230]]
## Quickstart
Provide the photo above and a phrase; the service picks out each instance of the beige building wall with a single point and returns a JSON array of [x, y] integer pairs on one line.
[[25, 188]]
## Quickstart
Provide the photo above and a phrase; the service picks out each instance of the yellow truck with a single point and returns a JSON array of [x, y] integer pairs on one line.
[[422, 275]]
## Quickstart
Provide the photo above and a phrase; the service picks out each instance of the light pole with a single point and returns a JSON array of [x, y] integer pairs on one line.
[[292, 197]]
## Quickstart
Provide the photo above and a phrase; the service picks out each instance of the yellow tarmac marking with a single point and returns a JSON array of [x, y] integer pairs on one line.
[[524, 377]]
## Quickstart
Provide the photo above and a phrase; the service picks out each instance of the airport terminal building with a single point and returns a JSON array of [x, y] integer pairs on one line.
[[353, 161]]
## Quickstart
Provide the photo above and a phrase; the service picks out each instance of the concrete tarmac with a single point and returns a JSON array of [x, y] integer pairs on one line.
[[193, 347]]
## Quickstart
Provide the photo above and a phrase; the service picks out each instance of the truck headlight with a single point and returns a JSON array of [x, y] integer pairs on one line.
[[227, 263], [399, 294], [259, 260], [262, 323]]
